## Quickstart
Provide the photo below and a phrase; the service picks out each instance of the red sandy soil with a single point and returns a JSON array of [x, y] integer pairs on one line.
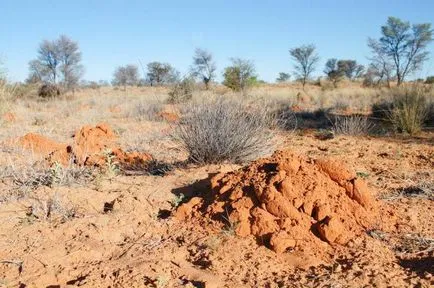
[[123, 232]]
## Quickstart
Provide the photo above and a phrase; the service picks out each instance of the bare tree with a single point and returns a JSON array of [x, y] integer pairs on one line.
[[48, 57], [381, 67], [126, 76], [404, 45], [204, 66], [69, 58], [161, 73], [240, 75], [58, 61], [306, 60]]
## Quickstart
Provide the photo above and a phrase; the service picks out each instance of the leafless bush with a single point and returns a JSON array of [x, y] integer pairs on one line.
[[146, 111], [222, 130], [354, 125]]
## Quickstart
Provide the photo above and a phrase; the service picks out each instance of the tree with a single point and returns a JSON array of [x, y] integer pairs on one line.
[[58, 61], [306, 60], [203, 66], [240, 75], [283, 77], [429, 80], [161, 73], [404, 45], [126, 76], [334, 74], [350, 68], [381, 68], [69, 58]]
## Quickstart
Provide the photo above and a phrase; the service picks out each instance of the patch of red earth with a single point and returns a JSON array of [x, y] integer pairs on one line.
[[169, 116], [9, 117], [90, 147], [289, 202]]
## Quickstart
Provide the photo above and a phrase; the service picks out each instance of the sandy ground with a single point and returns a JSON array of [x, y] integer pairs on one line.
[[118, 231]]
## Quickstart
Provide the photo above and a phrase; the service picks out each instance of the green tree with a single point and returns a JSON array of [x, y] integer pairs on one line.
[[350, 68], [283, 77], [240, 75], [334, 74], [404, 45], [306, 59]]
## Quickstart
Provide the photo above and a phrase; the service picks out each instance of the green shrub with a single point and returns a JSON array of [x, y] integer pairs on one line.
[[49, 91], [429, 80], [182, 91], [409, 108]]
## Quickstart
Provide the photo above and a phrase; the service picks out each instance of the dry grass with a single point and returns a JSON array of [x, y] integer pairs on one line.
[[410, 108], [25, 178]]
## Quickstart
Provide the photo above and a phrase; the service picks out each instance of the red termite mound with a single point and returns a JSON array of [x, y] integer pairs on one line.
[[289, 201], [90, 147]]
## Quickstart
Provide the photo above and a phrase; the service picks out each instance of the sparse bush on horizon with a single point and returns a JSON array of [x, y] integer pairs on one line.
[[127, 75], [222, 129]]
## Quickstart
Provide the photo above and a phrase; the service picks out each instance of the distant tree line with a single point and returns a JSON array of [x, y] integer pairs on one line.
[[399, 52]]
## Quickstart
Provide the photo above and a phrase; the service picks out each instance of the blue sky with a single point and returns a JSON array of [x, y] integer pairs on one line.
[[113, 33]]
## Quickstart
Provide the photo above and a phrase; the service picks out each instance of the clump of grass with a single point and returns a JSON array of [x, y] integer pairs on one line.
[[51, 208], [409, 109], [7, 93], [223, 129], [353, 125], [26, 178]]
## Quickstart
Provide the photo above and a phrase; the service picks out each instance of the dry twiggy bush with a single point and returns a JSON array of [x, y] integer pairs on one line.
[[353, 125], [224, 129]]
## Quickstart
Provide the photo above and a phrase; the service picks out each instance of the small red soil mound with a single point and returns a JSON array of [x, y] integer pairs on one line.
[[289, 201], [9, 117], [39, 144], [90, 143], [89, 148], [169, 116]]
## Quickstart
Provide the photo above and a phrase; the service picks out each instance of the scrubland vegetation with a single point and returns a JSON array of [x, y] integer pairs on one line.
[[158, 179]]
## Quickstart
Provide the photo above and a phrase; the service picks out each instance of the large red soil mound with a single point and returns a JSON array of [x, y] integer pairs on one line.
[[289, 202], [90, 147]]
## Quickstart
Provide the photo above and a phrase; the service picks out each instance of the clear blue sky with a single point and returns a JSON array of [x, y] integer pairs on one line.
[[112, 33]]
